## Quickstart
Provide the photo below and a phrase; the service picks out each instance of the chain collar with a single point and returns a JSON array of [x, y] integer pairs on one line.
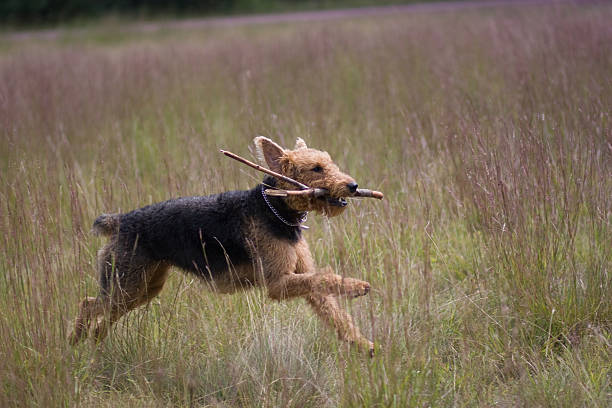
[[302, 219]]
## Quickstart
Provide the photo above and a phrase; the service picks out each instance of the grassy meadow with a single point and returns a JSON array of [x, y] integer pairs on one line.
[[489, 130]]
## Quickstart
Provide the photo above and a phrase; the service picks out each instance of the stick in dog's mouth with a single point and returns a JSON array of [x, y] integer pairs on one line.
[[324, 194], [305, 190]]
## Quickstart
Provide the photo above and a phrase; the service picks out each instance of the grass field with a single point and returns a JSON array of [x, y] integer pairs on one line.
[[490, 132]]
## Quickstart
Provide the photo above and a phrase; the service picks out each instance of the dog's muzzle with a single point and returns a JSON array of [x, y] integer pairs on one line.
[[337, 202]]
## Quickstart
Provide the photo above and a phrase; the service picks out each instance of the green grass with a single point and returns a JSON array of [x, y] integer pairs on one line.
[[490, 258]]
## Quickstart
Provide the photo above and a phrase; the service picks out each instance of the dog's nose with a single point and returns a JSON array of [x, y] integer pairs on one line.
[[352, 187]]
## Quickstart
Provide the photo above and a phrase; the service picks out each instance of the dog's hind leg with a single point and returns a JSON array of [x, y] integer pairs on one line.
[[116, 306], [90, 308], [100, 331], [328, 309], [144, 285], [157, 278]]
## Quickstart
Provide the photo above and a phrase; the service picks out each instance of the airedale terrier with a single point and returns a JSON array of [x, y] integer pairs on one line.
[[235, 240]]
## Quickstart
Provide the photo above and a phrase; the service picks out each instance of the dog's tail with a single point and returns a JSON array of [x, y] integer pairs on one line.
[[106, 224]]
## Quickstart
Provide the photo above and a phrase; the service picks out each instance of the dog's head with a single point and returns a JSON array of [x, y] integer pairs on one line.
[[312, 167]]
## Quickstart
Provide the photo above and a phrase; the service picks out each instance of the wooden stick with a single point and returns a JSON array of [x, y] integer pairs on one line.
[[321, 192], [263, 169], [365, 193], [311, 192]]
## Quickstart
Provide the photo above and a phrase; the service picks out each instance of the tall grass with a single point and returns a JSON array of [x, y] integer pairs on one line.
[[490, 258]]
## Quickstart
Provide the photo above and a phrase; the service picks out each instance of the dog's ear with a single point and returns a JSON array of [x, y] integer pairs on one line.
[[300, 144], [268, 152]]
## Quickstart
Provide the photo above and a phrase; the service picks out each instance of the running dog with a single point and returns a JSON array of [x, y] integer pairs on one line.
[[236, 240]]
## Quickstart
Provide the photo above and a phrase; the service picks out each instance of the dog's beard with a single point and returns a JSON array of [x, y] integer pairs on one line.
[[332, 210], [329, 207]]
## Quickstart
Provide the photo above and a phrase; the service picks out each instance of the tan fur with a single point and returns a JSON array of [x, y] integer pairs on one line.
[[298, 164], [328, 309], [287, 270]]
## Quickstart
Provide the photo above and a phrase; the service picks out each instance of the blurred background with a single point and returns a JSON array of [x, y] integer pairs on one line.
[[27, 12]]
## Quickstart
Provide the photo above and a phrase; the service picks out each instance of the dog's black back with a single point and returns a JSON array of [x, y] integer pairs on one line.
[[204, 234]]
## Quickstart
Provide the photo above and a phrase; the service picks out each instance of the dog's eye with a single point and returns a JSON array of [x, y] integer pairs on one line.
[[317, 169]]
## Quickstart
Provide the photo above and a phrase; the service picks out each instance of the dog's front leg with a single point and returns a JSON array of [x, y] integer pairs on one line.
[[350, 287], [328, 309], [288, 271], [297, 285]]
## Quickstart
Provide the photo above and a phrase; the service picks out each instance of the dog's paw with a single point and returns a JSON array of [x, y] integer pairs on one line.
[[356, 288], [77, 334], [368, 347], [365, 346], [372, 350]]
